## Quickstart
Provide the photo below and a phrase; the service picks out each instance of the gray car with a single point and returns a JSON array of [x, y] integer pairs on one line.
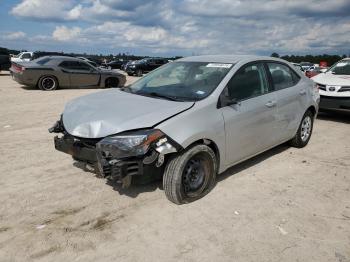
[[51, 72], [190, 120]]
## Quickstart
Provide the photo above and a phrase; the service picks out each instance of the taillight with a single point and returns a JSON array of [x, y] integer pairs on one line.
[[18, 68]]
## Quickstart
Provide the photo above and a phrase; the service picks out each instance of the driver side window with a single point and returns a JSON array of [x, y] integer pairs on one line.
[[75, 65], [248, 82]]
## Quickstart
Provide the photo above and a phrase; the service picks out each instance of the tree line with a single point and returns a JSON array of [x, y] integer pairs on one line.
[[315, 59]]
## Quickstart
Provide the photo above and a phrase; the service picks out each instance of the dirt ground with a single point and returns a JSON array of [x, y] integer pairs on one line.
[[285, 205]]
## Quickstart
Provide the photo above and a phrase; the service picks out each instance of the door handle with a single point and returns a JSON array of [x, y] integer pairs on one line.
[[271, 104], [302, 92]]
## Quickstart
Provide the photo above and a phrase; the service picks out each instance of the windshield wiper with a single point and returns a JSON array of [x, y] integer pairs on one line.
[[154, 94]]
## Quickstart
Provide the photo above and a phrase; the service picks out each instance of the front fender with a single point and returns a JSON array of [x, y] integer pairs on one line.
[[193, 125]]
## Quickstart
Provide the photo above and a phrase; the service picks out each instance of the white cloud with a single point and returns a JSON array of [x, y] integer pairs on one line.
[[57, 10], [63, 33], [201, 26], [15, 35]]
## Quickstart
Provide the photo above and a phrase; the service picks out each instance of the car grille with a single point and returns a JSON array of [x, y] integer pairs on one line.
[[122, 169], [344, 89], [322, 87]]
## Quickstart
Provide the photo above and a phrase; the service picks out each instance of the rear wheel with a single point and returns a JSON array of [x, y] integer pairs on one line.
[[304, 132], [112, 82], [190, 175], [48, 83]]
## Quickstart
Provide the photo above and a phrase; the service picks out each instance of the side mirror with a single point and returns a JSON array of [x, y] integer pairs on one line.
[[229, 101], [226, 100]]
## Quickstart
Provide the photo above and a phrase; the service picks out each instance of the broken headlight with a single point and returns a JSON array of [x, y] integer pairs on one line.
[[129, 144]]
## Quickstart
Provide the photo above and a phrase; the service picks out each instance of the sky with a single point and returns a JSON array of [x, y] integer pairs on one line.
[[177, 27]]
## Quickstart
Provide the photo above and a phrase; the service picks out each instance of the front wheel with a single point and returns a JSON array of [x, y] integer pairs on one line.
[[48, 83], [304, 132], [190, 175]]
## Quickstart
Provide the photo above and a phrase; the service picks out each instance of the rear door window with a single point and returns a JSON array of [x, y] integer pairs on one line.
[[249, 81], [282, 76]]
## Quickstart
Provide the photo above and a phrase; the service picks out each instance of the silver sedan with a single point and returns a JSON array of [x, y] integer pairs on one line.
[[190, 120]]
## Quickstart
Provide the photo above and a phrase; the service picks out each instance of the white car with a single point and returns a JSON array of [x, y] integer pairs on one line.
[[334, 86], [22, 57]]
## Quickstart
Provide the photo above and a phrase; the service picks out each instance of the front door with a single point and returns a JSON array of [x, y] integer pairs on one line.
[[80, 73], [250, 122]]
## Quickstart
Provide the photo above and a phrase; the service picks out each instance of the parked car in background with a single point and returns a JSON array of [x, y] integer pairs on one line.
[[5, 62], [115, 64], [189, 120], [298, 66], [28, 56], [323, 69], [145, 65], [22, 57], [334, 86], [306, 65], [38, 54], [126, 64], [313, 71], [51, 72]]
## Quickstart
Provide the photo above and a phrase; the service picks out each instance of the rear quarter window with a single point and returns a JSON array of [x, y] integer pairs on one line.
[[282, 76]]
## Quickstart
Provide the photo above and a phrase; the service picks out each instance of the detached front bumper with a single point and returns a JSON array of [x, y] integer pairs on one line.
[[80, 151], [76, 149], [143, 168], [335, 103]]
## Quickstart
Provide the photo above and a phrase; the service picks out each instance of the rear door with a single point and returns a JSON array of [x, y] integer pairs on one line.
[[291, 98], [250, 123], [81, 74]]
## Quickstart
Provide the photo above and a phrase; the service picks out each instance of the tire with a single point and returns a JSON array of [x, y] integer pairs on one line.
[[112, 82], [303, 135], [130, 74], [190, 175], [139, 73], [48, 83]]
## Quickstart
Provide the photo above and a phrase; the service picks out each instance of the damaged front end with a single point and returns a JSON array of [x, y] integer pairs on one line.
[[138, 154]]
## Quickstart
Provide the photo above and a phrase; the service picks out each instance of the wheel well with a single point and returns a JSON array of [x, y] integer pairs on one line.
[[58, 83], [312, 109], [209, 143]]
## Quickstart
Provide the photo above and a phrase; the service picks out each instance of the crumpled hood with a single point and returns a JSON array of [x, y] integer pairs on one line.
[[330, 79], [113, 111]]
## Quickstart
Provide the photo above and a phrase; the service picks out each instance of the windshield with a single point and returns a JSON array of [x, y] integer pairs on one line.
[[181, 81], [341, 68]]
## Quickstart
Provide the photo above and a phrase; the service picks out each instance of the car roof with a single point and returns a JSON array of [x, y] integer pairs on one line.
[[69, 58], [227, 58], [55, 60]]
